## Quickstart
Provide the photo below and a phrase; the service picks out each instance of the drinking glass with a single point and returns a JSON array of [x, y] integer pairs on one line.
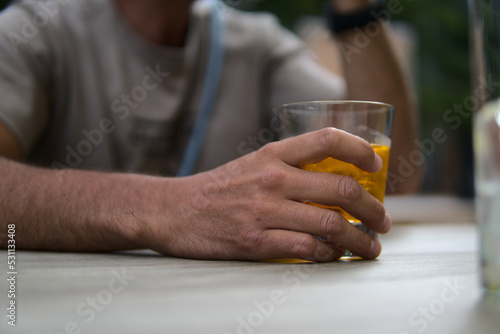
[[485, 57], [371, 121]]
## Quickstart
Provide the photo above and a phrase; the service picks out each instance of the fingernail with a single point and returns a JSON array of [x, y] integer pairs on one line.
[[378, 162], [387, 223], [376, 248]]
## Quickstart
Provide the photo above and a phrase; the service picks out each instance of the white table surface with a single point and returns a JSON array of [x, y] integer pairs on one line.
[[426, 281]]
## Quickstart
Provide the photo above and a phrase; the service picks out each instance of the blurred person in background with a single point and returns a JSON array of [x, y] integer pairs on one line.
[[100, 99]]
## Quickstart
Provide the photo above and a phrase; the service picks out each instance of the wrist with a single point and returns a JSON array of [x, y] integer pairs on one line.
[[138, 209], [156, 215]]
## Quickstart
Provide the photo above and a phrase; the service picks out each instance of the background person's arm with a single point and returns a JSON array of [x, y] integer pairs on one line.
[[9, 146], [251, 208], [374, 73]]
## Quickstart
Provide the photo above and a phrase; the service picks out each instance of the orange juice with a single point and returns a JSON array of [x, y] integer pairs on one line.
[[374, 183]]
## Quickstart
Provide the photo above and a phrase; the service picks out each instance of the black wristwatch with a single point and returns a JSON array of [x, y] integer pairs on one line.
[[339, 22]]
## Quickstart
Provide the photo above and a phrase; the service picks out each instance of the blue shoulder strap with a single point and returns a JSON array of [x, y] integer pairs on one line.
[[210, 85]]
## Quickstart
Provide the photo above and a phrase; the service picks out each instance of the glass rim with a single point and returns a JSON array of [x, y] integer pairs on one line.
[[326, 102]]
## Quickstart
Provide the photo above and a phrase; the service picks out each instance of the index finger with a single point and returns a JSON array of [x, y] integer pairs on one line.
[[318, 145]]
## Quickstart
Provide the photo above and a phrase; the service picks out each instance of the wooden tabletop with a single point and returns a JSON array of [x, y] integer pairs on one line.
[[426, 281]]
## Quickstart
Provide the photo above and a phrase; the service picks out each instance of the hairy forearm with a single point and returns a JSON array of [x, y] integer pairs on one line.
[[251, 208], [75, 210]]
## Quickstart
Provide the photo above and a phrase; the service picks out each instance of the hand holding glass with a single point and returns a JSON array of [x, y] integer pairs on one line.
[[371, 121]]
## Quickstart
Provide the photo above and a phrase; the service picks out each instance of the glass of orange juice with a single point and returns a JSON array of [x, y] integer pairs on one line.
[[371, 121]]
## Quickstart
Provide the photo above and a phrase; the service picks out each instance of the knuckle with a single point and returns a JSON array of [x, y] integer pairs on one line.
[[271, 177], [349, 189], [330, 224], [368, 150], [252, 239], [368, 154], [378, 212], [303, 246], [270, 149], [327, 137]]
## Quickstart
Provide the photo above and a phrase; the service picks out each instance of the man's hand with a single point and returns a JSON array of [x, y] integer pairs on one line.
[[253, 208]]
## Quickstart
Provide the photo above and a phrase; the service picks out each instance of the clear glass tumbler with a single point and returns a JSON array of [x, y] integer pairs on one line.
[[371, 121], [485, 57]]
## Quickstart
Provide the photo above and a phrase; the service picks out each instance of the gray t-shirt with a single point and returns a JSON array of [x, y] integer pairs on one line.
[[81, 89]]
